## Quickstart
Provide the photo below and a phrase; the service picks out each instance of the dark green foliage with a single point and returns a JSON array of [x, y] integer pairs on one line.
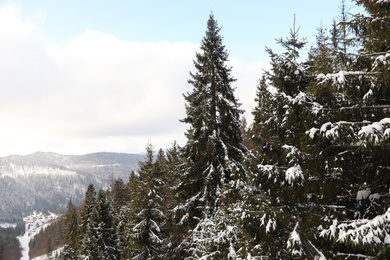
[[102, 232], [213, 152], [8, 238], [212, 173], [147, 217], [314, 185], [88, 206], [334, 130], [71, 232], [277, 130], [373, 30]]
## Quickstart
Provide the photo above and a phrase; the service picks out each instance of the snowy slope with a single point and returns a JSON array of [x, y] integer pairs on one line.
[[34, 224], [46, 181]]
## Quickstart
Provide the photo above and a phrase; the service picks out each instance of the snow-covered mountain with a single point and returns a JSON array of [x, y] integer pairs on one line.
[[46, 181]]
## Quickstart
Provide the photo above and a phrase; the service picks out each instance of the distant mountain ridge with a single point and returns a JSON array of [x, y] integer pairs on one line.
[[46, 181]]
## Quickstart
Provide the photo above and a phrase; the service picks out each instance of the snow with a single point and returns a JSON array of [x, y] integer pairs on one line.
[[24, 240], [31, 170], [361, 231], [374, 196], [294, 242], [320, 255], [294, 174], [7, 225], [46, 257], [331, 130], [316, 108], [381, 59], [295, 237], [363, 194], [368, 94], [34, 224], [271, 225], [267, 170], [300, 98], [338, 77], [312, 132], [293, 153], [376, 131]]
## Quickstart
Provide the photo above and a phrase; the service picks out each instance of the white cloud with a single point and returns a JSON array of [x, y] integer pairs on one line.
[[97, 93]]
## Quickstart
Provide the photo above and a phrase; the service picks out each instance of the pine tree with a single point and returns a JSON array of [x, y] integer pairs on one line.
[[118, 199]]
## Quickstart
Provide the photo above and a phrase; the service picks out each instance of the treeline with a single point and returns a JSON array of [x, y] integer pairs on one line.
[[128, 219], [312, 181]]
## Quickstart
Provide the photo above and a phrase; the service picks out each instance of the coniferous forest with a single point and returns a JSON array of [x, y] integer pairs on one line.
[[308, 179]]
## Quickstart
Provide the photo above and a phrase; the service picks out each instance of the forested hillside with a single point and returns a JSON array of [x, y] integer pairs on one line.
[[312, 181], [46, 181]]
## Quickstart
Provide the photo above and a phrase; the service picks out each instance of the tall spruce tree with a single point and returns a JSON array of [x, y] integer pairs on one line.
[[214, 152], [86, 245], [102, 233], [280, 120], [71, 231], [147, 218], [124, 215]]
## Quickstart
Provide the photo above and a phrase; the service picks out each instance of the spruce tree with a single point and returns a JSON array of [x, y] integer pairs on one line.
[[214, 152], [279, 173], [102, 233], [71, 238], [147, 218], [124, 215], [86, 244], [350, 141], [86, 211]]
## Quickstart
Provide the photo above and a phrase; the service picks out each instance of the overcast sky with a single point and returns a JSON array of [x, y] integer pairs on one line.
[[79, 77]]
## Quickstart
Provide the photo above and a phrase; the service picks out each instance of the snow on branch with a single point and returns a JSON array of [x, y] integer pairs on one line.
[[269, 222], [269, 170], [293, 154], [376, 132], [383, 59], [294, 175], [338, 78], [334, 131], [294, 243], [360, 232]]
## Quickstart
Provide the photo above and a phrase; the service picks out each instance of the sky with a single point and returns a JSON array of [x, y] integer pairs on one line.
[[79, 77]]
